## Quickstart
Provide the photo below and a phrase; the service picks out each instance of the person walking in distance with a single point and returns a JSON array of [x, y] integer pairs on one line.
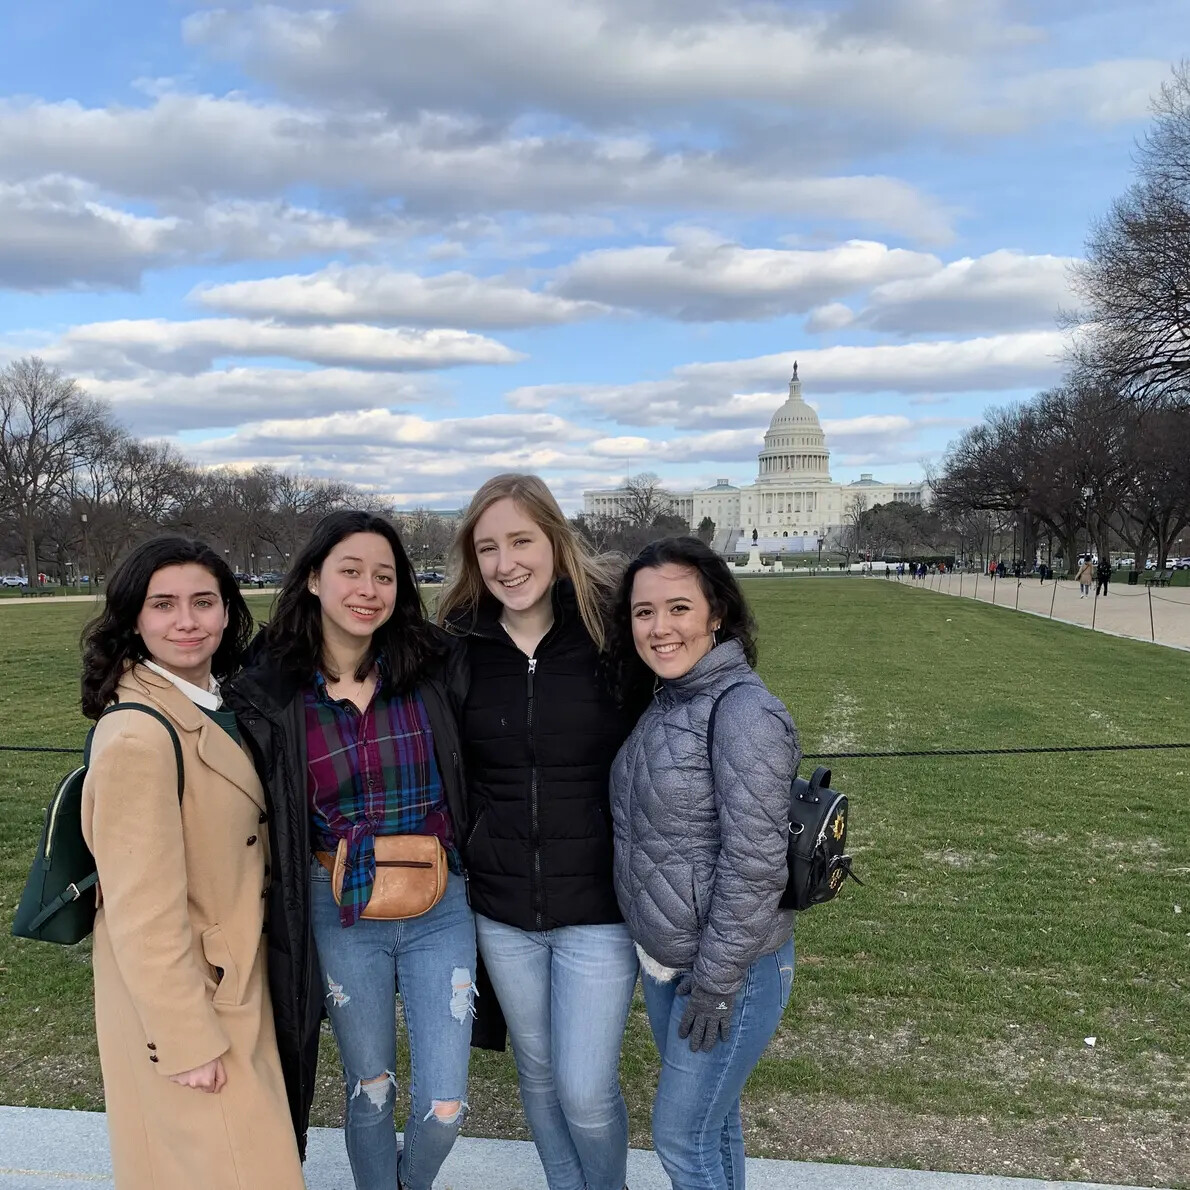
[[1103, 574], [1086, 572]]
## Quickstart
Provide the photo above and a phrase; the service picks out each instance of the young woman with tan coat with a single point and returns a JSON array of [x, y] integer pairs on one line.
[[192, 1080]]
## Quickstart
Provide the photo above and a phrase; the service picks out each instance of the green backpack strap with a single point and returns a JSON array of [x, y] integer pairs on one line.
[[173, 736], [71, 892]]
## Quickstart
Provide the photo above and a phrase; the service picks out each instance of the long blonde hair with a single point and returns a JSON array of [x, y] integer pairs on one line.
[[595, 577]]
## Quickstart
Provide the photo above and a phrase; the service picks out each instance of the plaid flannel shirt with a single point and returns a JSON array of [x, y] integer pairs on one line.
[[371, 774]]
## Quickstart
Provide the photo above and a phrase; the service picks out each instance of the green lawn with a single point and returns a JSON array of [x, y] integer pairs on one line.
[[1014, 906]]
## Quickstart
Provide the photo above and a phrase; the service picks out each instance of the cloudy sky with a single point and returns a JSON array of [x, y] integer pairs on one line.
[[413, 242]]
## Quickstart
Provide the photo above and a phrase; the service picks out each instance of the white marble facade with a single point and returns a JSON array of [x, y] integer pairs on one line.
[[793, 496]]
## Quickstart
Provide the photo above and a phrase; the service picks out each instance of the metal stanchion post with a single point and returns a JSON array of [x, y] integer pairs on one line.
[[994, 578], [1053, 597], [1094, 607], [1017, 605], [976, 595], [1152, 630]]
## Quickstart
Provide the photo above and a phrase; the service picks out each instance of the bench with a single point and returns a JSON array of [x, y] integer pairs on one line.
[[34, 591], [1159, 578]]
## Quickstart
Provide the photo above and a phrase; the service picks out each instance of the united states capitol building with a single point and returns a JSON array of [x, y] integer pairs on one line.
[[793, 502]]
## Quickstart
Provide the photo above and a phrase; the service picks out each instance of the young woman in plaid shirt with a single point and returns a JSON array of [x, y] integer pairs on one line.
[[348, 711]]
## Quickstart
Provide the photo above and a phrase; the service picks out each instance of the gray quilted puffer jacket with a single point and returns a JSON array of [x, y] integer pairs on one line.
[[700, 841]]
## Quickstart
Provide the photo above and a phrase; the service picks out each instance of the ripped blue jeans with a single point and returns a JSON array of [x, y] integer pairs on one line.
[[432, 958]]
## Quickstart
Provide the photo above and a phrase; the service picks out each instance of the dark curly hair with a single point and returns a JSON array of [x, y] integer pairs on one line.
[[634, 678], [404, 642], [110, 642]]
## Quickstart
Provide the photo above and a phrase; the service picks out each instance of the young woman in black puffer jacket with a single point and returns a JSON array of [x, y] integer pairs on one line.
[[540, 727]]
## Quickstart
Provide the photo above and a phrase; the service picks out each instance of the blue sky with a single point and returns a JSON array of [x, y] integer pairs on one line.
[[413, 244]]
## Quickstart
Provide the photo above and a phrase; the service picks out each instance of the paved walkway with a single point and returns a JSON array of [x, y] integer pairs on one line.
[[1160, 615], [53, 1150]]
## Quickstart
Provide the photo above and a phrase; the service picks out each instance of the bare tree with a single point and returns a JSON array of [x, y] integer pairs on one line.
[[1135, 280], [426, 535], [48, 429], [645, 499], [854, 507], [706, 530]]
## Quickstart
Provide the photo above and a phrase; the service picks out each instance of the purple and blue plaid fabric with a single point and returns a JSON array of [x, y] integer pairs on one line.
[[370, 774]]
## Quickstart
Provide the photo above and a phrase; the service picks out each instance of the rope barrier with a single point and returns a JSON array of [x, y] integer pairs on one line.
[[1027, 751], [1032, 750]]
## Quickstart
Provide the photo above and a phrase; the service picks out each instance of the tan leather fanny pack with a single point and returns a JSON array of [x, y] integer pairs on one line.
[[411, 874]]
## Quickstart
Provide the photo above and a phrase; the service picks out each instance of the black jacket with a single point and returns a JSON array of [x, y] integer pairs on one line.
[[539, 737], [271, 716]]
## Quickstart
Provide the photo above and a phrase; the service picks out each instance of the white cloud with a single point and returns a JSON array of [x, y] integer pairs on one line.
[[414, 458], [374, 294], [738, 391], [834, 316], [1001, 291], [52, 235], [60, 232], [701, 278], [440, 166], [850, 71], [155, 402], [1109, 92], [124, 347]]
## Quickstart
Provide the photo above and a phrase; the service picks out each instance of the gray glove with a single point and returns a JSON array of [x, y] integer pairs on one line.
[[707, 1018]]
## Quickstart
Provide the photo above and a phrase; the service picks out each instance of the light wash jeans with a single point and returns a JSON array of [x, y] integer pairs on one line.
[[565, 995], [432, 957], [696, 1115]]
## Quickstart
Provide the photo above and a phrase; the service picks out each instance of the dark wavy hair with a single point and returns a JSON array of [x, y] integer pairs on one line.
[[404, 644], [111, 643], [634, 678]]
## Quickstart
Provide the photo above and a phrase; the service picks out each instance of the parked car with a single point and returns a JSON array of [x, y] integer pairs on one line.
[[271, 578], [430, 576], [13, 580]]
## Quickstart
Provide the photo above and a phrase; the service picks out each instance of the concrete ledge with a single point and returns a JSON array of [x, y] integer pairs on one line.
[[54, 1150]]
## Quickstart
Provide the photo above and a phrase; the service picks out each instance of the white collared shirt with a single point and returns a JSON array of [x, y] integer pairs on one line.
[[208, 698]]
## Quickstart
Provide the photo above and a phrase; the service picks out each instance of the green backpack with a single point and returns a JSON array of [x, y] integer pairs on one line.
[[53, 907]]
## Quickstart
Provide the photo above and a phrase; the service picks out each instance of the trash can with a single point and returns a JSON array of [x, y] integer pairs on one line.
[[1133, 577]]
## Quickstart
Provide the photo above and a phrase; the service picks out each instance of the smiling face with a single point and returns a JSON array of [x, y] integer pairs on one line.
[[356, 586], [515, 556], [182, 620], [672, 621]]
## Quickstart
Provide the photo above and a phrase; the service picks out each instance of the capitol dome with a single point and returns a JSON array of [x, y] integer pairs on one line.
[[795, 445]]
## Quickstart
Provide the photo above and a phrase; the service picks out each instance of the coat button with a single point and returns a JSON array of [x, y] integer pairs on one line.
[[152, 1045], [154, 1058], [263, 818], [251, 840]]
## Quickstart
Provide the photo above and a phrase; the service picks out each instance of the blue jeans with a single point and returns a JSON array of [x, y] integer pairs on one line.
[[432, 957], [696, 1115], [565, 995]]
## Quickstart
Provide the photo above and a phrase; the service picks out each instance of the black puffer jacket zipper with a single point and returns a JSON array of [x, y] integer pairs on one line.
[[534, 823]]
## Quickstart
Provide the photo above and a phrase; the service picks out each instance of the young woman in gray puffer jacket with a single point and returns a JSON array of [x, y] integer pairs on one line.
[[700, 843]]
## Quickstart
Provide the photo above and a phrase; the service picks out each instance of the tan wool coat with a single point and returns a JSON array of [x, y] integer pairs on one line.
[[178, 952]]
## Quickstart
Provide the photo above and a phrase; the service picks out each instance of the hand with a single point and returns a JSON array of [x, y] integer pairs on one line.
[[707, 1018], [209, 1077]]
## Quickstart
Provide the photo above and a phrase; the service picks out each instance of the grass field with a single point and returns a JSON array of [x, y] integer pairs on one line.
[[1014, 906]]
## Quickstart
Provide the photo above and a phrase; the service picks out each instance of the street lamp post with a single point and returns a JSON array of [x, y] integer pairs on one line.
[[1088, 492], [91, 583], [820, 541]]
